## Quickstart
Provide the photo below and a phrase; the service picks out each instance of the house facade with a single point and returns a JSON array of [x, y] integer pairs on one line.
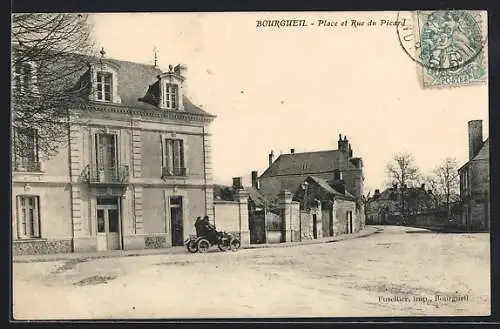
[[475, 181], [134, 173]]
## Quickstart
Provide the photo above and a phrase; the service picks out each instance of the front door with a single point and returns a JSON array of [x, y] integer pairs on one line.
[[176, 221], [108, 224]]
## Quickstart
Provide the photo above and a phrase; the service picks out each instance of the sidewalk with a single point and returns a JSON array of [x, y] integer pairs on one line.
[[178, 250]]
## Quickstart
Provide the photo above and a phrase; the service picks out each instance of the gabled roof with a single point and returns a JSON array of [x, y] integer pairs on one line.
[[328, 188], [484, 152], [303, 163]]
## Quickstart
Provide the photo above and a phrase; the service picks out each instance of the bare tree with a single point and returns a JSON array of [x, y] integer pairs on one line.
[[402, 171], [445, 183], [49, 54]]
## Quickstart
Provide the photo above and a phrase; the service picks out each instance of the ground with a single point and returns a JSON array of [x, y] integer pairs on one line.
[[379, 275]]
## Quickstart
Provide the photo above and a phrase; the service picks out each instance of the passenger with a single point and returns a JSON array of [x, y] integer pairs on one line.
[[198, 225]]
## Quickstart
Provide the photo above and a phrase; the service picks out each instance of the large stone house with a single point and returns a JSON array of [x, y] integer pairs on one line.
[[475, 181], [134, 174], [333, 177]]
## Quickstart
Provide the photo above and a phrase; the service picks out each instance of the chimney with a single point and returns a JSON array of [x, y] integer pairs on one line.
[[255, 182], [422, 186], [271, 158], [343, 144], [237, 183], [292, 151], [180, 69], [475, 137]]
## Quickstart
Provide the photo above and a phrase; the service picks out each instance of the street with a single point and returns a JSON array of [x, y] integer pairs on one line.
[[398, 272]]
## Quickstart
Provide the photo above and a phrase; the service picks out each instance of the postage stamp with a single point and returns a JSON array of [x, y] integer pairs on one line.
[[448, 45]]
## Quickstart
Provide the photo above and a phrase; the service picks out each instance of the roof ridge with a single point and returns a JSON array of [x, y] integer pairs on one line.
[[323, 151]]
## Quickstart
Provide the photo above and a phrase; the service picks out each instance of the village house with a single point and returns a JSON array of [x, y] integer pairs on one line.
[[135, 173], [327, 184], [387, 207], [475, 181]]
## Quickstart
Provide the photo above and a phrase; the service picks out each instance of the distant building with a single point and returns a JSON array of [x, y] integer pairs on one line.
[[387, 207], [475, 181]]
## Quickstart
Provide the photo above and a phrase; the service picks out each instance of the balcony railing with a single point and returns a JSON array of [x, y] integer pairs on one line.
[[174, 172], [111, 175]]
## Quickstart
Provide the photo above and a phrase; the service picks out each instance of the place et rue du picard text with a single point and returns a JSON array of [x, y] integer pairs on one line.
[[279, 23]]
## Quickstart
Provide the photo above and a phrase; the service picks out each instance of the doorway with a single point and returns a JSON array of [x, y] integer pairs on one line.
[[330, 222], [108, 224], [176, 221], [348, 222], [315, 227]]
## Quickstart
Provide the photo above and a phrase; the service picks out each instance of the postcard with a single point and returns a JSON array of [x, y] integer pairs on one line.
[[250, 165]]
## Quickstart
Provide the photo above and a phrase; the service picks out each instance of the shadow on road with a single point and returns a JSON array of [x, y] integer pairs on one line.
[[435, 232]]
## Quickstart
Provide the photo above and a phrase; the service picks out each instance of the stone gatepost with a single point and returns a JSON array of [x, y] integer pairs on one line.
[[285, 204], [241, 197]]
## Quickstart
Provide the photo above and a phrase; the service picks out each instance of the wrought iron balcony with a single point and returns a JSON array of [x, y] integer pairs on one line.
[[106, 176], [174, 172]]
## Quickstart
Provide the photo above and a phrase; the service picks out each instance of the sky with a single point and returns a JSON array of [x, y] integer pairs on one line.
[[299, 87]]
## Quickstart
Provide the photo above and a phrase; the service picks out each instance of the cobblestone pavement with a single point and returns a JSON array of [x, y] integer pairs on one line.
[[399, 272]]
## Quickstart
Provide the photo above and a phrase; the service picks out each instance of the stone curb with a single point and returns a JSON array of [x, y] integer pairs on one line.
[[179, 250]]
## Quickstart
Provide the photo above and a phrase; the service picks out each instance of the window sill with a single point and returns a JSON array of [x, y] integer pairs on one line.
[[29, 239], [17, 171]]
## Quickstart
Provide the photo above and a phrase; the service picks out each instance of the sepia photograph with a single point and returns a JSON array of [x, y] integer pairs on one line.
[[257, 165]]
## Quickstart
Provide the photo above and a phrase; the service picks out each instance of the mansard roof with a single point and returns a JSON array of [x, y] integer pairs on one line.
[[138, 86]]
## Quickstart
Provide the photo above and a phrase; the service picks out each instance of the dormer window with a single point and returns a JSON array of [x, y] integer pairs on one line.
[[104, 86], [171, 96], [171, 89]]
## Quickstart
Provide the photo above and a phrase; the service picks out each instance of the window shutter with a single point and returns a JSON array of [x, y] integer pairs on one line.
[[169, 159], [22, 216], [181, 153], [36, 217], [18, 218], [35, 144], [162, 153], [176, 154], [98, 151], [116, 161], [15, 144]]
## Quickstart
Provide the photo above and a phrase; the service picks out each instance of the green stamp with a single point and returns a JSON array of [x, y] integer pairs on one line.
[[452, 47]]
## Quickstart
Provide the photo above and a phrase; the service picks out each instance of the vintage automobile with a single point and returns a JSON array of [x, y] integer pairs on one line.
[[224, 240]]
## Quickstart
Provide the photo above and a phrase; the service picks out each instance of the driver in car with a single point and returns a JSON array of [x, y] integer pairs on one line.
[[209, 230]]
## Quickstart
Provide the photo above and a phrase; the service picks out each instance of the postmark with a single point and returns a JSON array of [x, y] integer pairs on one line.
[[448, 45]]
